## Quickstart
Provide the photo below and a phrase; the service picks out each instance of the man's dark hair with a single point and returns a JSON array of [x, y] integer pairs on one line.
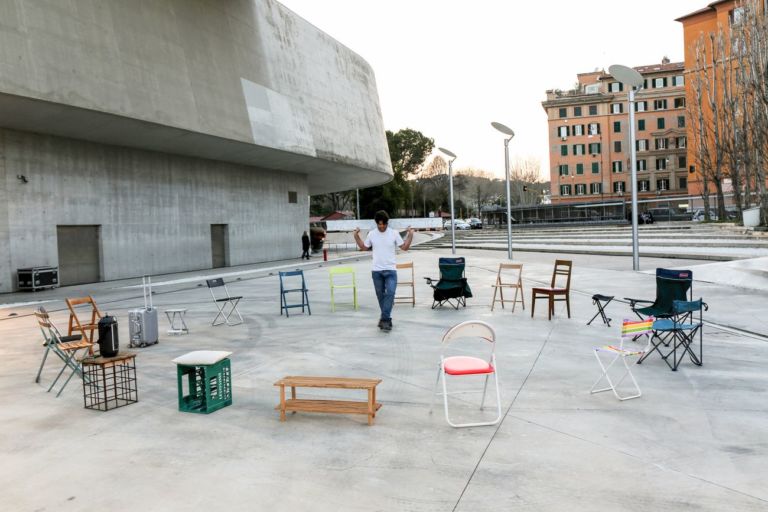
[[381, 216]]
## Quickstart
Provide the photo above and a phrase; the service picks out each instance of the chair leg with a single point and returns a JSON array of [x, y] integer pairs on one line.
[[568, 303], [493, 302], [551, 306], [485, 388], [533, 303], [42, 363], [434, 390], [611, 386]]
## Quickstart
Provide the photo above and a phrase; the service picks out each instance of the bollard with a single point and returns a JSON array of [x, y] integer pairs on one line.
[[325, 254]]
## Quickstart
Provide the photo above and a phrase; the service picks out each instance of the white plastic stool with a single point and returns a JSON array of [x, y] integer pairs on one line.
[[173, 315]]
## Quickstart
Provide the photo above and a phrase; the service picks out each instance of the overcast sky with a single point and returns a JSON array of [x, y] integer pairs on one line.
[[448, 68]]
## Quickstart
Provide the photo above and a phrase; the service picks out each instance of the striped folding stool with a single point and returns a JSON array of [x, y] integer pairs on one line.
[[629, 329]]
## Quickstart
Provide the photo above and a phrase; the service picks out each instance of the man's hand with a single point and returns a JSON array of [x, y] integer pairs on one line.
[[410, 231]]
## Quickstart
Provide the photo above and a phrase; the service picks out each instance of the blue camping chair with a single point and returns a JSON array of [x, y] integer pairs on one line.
[[285, 291], [679, 332]]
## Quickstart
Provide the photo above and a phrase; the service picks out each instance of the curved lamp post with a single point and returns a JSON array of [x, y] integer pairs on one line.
[[452, 156], [634, 81], [507, 131]]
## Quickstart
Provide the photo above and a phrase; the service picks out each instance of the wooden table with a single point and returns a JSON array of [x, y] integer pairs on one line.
[[294, 404]]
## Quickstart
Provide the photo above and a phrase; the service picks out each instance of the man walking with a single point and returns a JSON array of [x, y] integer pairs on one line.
[[383, 241]]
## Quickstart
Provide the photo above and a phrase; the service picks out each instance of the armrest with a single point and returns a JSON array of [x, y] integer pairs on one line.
[[74, 337], [632, 302]]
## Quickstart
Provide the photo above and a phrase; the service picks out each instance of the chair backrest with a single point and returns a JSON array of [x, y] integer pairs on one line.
[[562, 272], [672, 285], [292, 273], [687, 306], [451, 269], [335, 271], [93, 309], [405, 266], [633, 328], [471, 329], [50, 333], [516, 276], [213, 283]]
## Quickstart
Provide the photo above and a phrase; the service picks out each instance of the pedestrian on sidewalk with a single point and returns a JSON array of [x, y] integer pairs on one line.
[[383, 241], [305, 245]]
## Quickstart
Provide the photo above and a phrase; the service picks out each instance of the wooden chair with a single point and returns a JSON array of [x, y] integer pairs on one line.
[[85, 328], [562, 268], [516, 283], [406, 299], [64, 347]]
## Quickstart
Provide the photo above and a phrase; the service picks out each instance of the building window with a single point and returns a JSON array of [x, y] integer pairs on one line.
[[617, 127], [564, 150], [563, 169], [643, 185], [565, 190], [562, 131], [595, 167], [681, 142], [681, 162], [683, 183], [594, 148], [618, 186], [662, 185], [577, 130], [592, 89], [577, 111], [595, 188], [616, 166], [563, 112], [660, 123], [617, 108], [581, 189], [681, 121], [641, 106], [658, 83], [678, 80], [679, 102], [661, 164], [642, 165], [593, 128], [578, 149], [661, 143], [615, 87], [579, 168], [736, 16], [642, 144], [593, 110], [293, 197], [641, 125], [617, 146], [659, 104]]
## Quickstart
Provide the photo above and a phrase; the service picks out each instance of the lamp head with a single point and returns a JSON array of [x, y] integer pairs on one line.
[[447, 153], [506, 130], [626, 75]]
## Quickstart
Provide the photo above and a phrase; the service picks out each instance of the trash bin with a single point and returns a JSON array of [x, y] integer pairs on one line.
[[751, 217]]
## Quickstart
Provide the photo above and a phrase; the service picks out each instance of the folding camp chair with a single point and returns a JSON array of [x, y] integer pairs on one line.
[[406, 299], [65, 348], [460, 366], [671, 285], [452, 287], [629, 329], [679, 331], [84, 306], [302, 290], [563, 271], [516, 282], [226, 305], [335, 275]]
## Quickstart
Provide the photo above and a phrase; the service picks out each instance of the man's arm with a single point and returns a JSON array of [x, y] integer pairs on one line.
[[408, 239], [359, 241]]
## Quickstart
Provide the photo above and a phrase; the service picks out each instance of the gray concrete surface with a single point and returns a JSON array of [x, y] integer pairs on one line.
[[695, 440]]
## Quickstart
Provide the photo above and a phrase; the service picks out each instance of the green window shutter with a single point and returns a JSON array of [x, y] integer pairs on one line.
[[564, 150], [579, 168], [595, 168]]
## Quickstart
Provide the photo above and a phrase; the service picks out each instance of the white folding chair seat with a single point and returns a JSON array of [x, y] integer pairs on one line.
[[629, 329], [462, 365], [227, 305]]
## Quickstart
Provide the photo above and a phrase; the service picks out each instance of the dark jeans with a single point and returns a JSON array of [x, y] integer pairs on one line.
[[305, 254], [385, 283]]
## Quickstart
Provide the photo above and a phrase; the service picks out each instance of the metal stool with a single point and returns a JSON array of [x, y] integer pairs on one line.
[[601, 301], [174, 314]]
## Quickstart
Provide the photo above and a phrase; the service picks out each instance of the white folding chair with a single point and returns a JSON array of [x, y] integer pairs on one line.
[[462, 366], [629, 329], [227, 305], [64, 347]]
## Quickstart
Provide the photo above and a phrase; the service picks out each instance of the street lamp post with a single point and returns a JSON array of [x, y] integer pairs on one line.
[[450, 194], [634, 81], [507, 131]]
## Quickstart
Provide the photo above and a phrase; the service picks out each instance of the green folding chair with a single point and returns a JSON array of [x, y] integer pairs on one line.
[[339, 280]]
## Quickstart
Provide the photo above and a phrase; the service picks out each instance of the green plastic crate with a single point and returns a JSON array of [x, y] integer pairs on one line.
[[209, 387]]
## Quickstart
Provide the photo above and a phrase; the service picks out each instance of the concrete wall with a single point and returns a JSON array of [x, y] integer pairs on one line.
[[243, 70], [155, 209]]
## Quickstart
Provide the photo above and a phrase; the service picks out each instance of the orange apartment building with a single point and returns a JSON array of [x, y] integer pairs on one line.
[[589, 149]]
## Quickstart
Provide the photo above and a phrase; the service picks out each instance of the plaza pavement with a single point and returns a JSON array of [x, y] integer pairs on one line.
[[695, 440]]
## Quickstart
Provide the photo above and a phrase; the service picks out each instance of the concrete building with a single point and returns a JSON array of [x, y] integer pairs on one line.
[[589, 149], [153, 137]]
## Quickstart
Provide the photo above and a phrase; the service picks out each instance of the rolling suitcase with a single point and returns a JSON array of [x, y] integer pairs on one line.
[[142, 323]]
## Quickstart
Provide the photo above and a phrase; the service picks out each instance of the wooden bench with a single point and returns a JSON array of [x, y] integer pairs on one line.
[[294, 404]]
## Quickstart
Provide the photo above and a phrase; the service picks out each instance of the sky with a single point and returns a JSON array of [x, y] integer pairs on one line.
[[448, 68]]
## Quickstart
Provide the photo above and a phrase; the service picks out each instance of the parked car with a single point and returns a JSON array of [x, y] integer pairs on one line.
[[475, 223], [460, 224], [699, 216], [667, 214]]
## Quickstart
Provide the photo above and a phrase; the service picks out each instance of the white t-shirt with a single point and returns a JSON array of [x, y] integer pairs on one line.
[[384, 245]]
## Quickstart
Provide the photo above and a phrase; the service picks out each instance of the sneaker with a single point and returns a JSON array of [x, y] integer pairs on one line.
[[387, 325], [381, 324]]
